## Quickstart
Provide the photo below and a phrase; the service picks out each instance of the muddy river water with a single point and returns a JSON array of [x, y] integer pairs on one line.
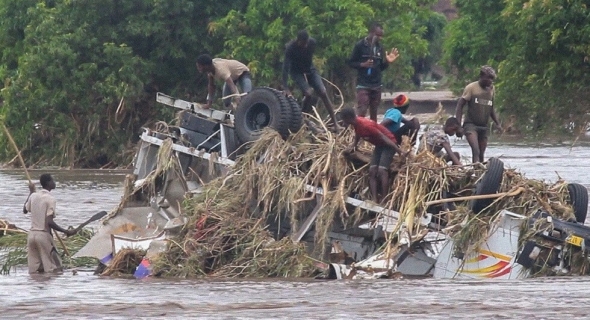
[[85, 296]]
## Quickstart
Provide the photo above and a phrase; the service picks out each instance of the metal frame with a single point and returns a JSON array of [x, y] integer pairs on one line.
[[194, 107], [145, 136]]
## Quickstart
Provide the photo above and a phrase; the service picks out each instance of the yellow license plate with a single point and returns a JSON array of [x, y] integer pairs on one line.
[[574, 240]]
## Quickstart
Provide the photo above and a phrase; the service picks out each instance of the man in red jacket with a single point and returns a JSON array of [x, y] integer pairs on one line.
[[385, 148]]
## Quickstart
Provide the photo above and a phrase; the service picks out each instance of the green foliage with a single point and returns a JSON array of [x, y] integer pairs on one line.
[[432, 29], [546, 73], [476, 38], [541, 51], [12, 32], [81, 76], [258, 35]]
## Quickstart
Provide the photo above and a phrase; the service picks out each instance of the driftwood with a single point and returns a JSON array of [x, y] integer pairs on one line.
[[511, 193]]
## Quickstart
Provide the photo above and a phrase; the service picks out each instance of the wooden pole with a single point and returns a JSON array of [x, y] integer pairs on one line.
[[510, 193], [63, 245], [16, 149]]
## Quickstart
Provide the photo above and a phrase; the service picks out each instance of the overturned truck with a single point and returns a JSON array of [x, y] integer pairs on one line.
[[218, 194]]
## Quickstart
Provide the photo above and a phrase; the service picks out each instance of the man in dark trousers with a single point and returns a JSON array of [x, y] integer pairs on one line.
[[479, 98], [41, 253], [369, 58], [385, 149], [299, 64]]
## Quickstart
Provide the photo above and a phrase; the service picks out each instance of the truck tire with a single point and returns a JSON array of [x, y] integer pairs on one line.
[[296, 115], [579, 200], [261, 108], [489, 184]]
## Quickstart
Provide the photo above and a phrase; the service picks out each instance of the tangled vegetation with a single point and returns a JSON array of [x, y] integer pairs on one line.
[[13, 250], [240, 223]]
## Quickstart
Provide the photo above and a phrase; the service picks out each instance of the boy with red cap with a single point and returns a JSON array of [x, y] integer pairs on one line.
[[393, 120], [385, 148]]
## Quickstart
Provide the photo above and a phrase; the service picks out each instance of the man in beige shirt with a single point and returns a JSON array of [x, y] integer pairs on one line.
[[42, 255], [231, 72], [478, 96]]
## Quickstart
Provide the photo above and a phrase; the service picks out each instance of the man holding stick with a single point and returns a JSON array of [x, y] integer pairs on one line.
[[41, 253]]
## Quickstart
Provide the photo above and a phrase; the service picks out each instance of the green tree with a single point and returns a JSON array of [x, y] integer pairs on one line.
[[14, 20], [546, 74], [258, 35], [81, 76], [476, 38], [435, 25], [540, 49]]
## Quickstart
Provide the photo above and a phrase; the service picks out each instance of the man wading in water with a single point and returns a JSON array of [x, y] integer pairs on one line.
[[42, 255], [479, 97]]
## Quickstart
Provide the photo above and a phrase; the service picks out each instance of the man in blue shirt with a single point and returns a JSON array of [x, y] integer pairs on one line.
[[393, 120]]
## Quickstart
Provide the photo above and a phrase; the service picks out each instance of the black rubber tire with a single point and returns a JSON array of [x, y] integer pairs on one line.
[[489, 184], [579, 200], [448, 205], [296, 115], [260, 108]]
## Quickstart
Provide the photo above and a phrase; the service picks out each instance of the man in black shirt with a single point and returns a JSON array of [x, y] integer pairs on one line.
[[368, 58], [298, 63]]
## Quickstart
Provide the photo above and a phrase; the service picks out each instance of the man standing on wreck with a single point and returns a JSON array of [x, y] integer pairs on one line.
[[479, 98], [299, 65], [385, 149], [41, 253], [231, 72], [369, 58]]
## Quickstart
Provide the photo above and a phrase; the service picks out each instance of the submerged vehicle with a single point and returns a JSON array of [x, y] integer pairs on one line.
[[512, 246], [205, 144]]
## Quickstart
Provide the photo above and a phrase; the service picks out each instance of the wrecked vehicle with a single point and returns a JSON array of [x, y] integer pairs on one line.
[[204, 144], [505, 245], [217, 188]]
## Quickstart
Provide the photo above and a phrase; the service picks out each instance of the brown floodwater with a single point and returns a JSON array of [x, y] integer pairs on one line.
[[80, 193]]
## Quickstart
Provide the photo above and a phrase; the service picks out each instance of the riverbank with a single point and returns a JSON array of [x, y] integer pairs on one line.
[[422, 102], [429, 107]]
